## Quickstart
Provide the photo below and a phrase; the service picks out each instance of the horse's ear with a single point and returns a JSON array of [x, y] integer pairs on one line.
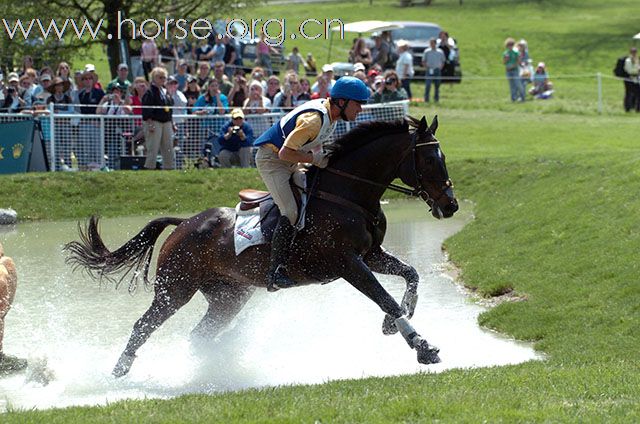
[[434, 125], [422, 126], [413, 122]]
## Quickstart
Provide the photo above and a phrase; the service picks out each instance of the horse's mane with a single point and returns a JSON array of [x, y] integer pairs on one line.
[[363, 134]]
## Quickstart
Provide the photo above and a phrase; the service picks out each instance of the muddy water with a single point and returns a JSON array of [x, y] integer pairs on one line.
[[305, 335]]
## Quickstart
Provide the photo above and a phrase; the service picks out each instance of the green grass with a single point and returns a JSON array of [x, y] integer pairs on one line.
[[554, 191], [555, 220], [575, 38]]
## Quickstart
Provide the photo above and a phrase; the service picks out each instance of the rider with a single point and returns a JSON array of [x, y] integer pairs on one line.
[[292, 140]]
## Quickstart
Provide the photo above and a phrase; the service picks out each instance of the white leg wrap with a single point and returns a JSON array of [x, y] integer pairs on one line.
[[407, 331]]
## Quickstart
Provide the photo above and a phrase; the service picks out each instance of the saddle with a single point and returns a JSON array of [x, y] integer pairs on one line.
[[251, 199]]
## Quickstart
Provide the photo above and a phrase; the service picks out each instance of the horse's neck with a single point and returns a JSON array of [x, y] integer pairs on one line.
[[378, 162]]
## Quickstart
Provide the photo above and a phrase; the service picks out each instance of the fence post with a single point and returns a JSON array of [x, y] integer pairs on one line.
[[599, 78], [102, 142], [52, 138]]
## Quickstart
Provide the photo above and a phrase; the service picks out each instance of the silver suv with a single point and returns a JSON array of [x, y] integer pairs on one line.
[[418, 35]]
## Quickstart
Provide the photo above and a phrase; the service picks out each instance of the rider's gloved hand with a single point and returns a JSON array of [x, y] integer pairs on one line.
[[320, 159]]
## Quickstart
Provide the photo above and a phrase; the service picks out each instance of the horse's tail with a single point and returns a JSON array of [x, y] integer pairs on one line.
[[91, 253]]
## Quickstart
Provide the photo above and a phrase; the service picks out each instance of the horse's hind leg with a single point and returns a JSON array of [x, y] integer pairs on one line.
[[381, 261], [226, 300], [166, 302]]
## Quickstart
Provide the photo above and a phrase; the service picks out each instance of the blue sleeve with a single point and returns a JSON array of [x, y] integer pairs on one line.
[[199, 104], [248, 132], [225, 102], [223, 131]]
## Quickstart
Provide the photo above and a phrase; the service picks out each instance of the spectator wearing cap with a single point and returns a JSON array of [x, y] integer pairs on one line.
[[359, 67], [90, 67], [433, 60], [510, 61], [404, 66], [192, 91], [89, 96], [122, 80], [182, 74], [158, 121], [632, 83], [42, 91], [235, 141], [12, 102], [389, 89], [327, 73], [542, 87]]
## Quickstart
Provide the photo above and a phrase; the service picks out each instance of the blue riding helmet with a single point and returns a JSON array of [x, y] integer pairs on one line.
[[350, 88]]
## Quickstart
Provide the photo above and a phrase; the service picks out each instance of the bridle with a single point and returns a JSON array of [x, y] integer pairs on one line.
[[418, 190]]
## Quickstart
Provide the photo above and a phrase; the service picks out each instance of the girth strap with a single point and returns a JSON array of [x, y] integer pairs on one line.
[[346, 203]]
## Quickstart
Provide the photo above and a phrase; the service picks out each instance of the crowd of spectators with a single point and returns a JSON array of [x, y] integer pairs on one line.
[[520, 73]]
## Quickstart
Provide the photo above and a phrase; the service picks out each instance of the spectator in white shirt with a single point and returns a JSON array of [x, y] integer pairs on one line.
[[404, 66]]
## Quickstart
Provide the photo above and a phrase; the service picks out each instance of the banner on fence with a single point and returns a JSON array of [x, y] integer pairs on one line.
[[21, 148]]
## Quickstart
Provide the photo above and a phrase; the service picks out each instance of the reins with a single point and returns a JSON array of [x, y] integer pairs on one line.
[[418, 191]]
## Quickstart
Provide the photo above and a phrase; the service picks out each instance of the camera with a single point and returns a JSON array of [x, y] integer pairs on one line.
[[390, 81], [11, 90], [235, 130]]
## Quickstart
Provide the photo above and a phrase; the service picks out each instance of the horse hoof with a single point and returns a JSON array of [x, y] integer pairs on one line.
[[123, 366], [427, 354], [389, 326]]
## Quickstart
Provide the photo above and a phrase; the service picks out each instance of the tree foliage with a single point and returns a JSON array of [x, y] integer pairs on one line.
[[103, 13]]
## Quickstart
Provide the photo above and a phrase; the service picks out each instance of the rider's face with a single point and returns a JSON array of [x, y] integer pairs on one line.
[[352, 110]]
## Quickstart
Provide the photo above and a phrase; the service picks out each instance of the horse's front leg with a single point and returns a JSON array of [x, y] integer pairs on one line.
[[358, 274], [381, 261]]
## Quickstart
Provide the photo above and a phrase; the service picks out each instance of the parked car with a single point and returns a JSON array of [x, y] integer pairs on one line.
[[418, 35]]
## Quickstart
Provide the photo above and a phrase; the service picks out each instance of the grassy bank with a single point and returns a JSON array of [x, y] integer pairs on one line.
[[555, 222]]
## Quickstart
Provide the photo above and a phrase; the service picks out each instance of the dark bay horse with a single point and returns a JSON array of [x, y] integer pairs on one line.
[[342, 238]]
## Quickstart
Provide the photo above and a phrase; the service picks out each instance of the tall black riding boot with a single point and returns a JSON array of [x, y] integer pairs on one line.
[[280, 251]]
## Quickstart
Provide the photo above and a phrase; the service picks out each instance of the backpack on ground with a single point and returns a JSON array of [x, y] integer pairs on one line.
[[619, 69]]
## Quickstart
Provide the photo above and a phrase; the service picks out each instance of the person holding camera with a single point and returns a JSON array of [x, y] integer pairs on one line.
[[239, 92], [389, 89], [12, 103], [235, 141]]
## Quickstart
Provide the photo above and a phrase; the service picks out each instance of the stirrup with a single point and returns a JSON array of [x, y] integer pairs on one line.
[[279, 280]]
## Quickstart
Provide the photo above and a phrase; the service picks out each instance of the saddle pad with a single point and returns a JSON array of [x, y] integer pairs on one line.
[[247, 230]]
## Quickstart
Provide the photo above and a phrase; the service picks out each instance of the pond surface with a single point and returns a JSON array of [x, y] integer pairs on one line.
[[306, 335]]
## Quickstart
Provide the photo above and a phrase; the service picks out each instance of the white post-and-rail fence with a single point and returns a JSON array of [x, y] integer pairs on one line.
[[96, 141]]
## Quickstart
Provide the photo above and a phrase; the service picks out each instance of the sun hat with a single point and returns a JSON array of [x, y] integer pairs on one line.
[[237, 113], [57, 80]]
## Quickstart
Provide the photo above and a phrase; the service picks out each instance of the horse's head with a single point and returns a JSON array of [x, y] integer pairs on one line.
[[425, 170]]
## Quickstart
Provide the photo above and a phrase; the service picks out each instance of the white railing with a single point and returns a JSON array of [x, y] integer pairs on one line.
[[99, 141]]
